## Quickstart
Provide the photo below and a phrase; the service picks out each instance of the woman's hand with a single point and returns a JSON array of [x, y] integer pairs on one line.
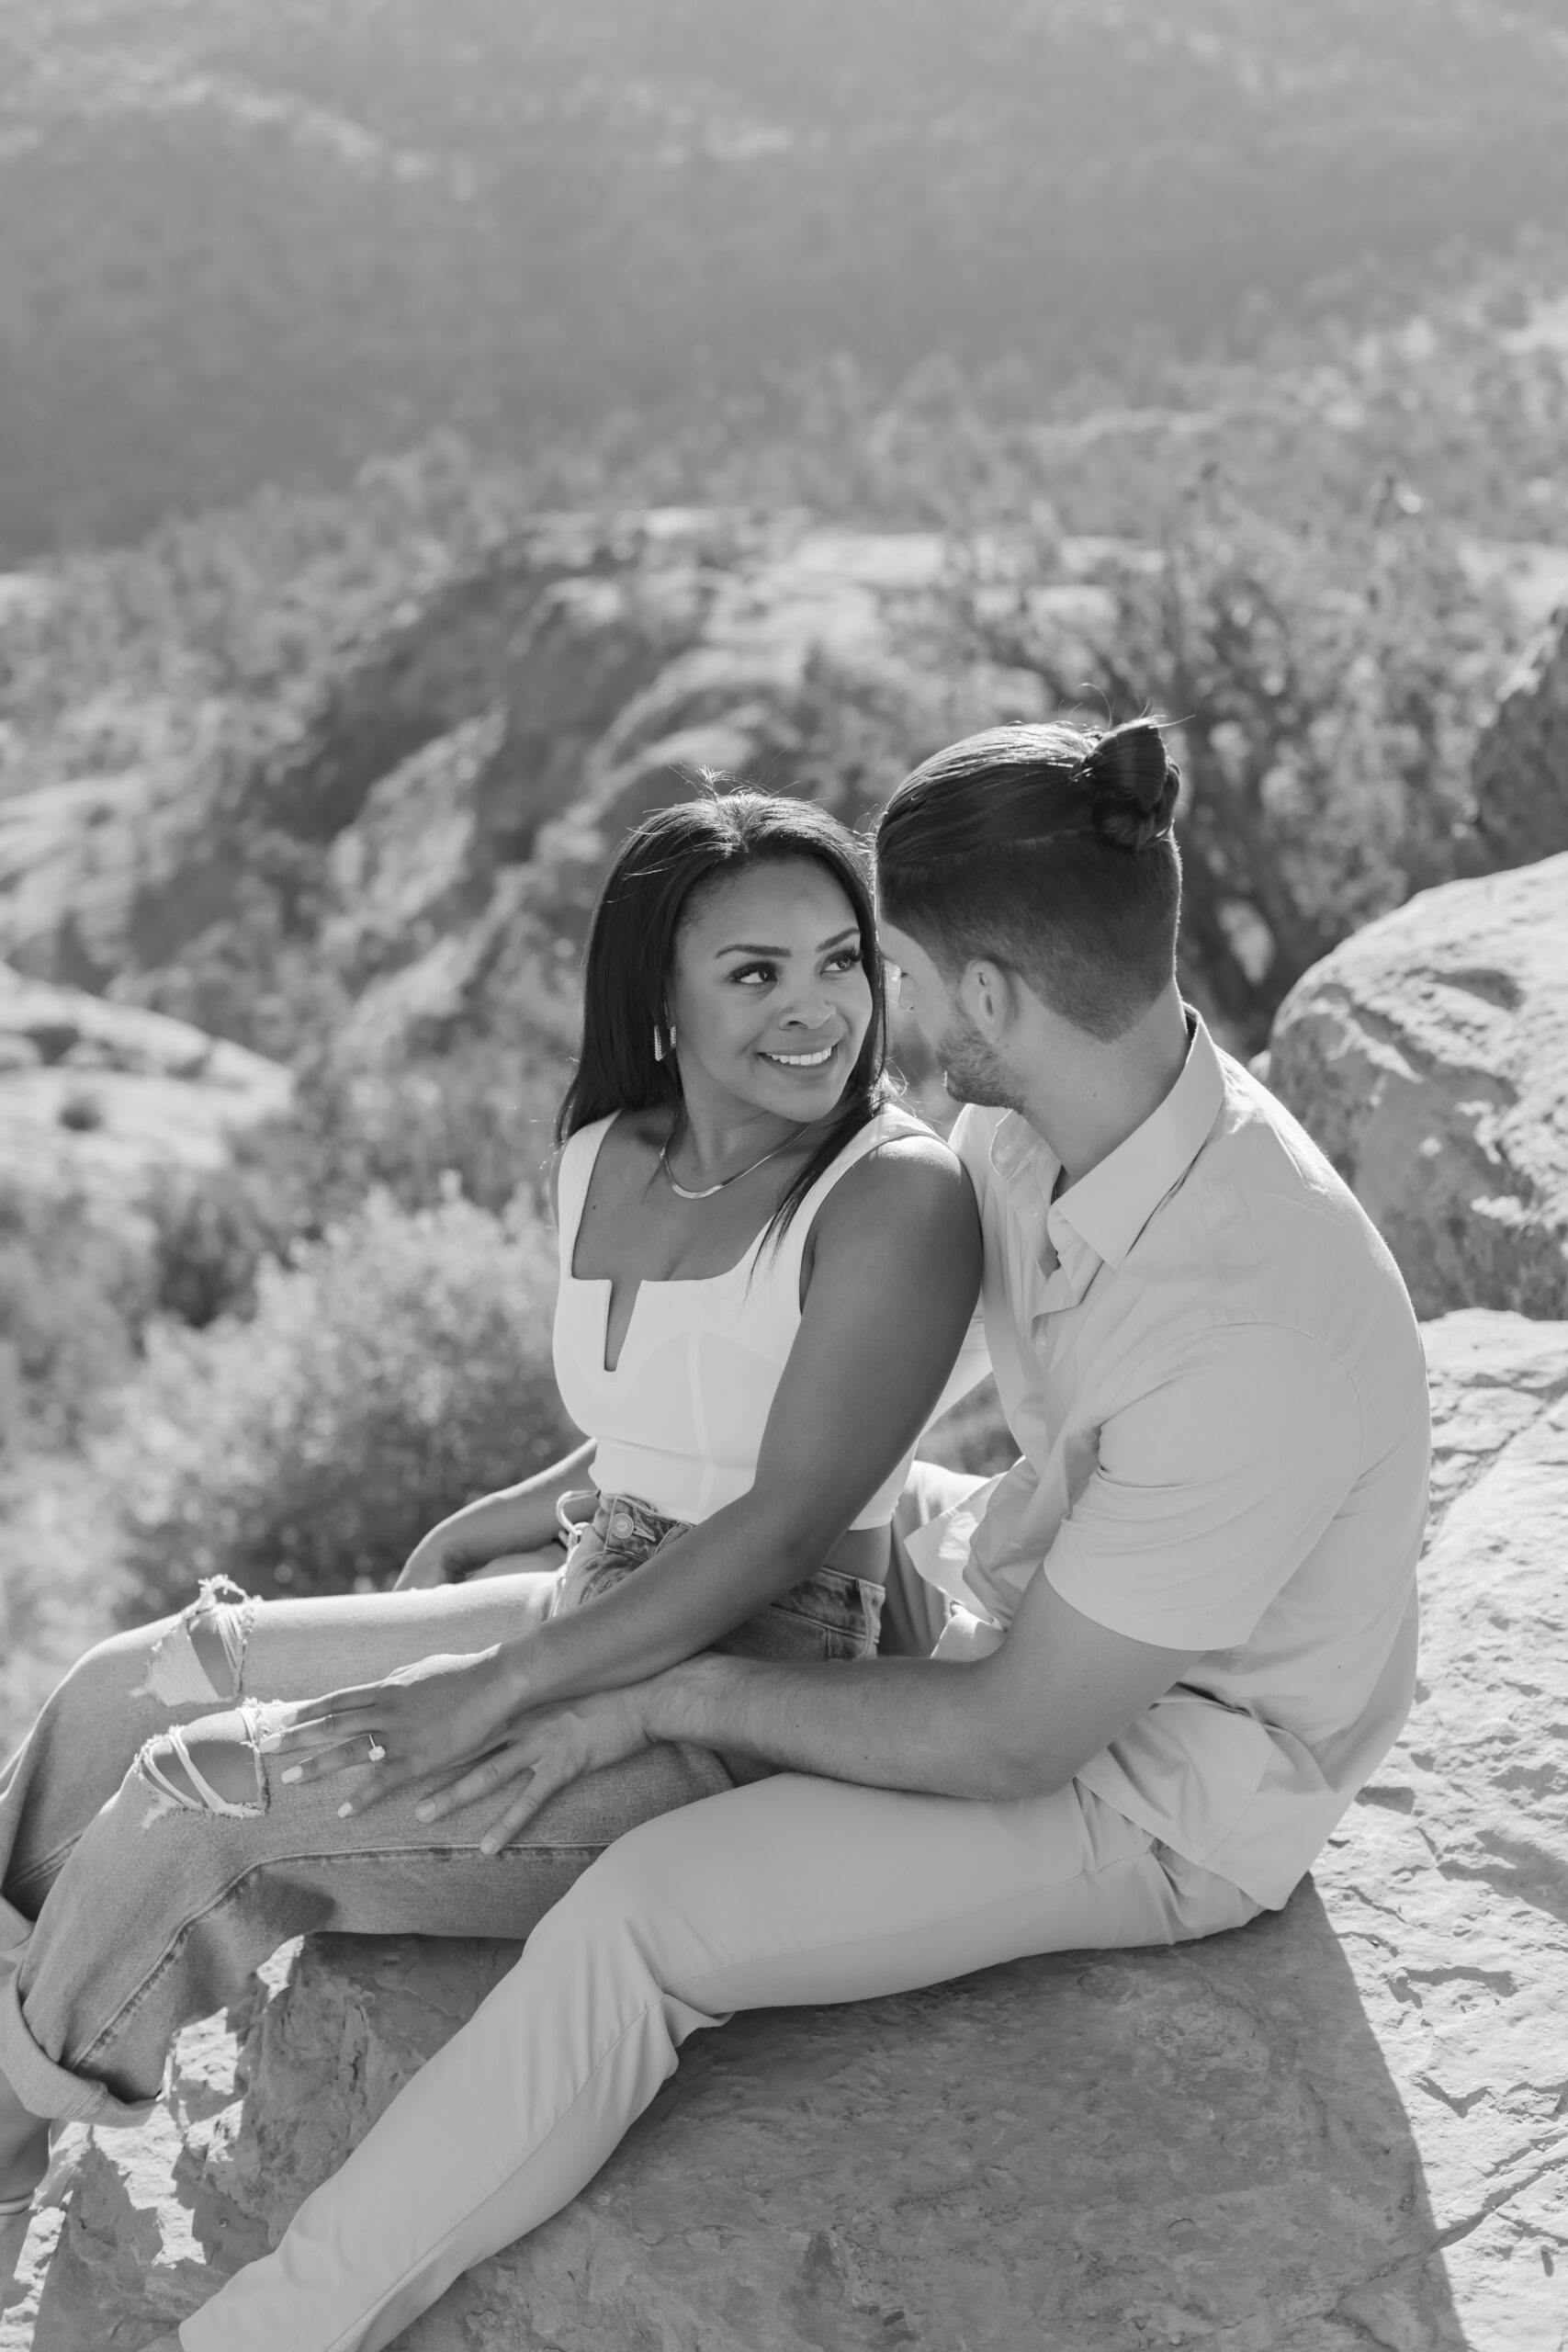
[[558, 1746], [441, 1557], [442, 1714]]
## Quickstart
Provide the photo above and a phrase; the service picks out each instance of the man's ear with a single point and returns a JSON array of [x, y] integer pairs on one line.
[[987, 994]]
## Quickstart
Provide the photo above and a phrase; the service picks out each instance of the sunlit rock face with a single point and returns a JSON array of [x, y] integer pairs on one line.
[[95, 1097], [1520, 765], [1428, 1057], [1340, 2126], [429, 840]]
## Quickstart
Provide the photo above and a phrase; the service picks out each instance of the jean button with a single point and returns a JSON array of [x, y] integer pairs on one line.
[[620, 1524]]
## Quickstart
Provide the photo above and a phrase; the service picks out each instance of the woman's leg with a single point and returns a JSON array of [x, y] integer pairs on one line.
[[201, 1862], [121, 1694], [86, 1733], [222, 1649], [794, 1891]]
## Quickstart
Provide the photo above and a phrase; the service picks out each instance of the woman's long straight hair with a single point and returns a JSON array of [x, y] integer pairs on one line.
[[631, 951]]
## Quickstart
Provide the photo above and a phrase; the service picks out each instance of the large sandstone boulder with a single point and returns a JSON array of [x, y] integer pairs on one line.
[[94, 1096], [1341, 2126], [1520, 766], [1428, 1057]]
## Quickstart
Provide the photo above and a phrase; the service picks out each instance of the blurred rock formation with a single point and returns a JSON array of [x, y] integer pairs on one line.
[[435, 832], [96, 1096], [1428, 1057]]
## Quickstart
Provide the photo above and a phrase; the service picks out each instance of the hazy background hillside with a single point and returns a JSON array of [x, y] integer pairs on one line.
[[430, 430], [252, 239]]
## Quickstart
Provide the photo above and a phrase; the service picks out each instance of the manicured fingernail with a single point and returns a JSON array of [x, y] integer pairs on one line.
[[487, 1845], [294, 1772], [268, 1741], [425, 1812], [344, 1811]]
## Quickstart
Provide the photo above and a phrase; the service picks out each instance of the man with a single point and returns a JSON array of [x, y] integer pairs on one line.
[[1170, 1643]]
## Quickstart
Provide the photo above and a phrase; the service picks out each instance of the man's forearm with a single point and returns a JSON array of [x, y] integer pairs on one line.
[[916, 1724], [701, 1587]]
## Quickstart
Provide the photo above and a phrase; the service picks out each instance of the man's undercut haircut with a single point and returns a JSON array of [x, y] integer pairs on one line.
[[1047, 851]]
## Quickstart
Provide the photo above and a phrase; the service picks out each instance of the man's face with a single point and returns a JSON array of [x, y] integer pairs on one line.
[[971, 1071]]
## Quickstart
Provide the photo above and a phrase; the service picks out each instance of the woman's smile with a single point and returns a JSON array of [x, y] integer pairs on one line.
[[818, 1057]]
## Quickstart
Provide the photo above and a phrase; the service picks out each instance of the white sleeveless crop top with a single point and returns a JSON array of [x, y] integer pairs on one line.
[[679, 1421]]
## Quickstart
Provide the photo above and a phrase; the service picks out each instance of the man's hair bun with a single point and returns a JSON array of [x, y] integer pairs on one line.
[[1132, 785]]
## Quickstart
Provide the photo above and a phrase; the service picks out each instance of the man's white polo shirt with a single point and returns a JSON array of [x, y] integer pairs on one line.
[[1209, 1361]]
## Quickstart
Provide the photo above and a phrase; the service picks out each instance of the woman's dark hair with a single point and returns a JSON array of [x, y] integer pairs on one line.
[[1051, 852], [661, 866]]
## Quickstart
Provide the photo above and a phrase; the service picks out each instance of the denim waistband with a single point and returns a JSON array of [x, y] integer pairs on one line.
[[621, 1519], [828, 1614]]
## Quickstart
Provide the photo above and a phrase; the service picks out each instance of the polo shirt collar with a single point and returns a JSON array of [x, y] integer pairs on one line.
[[1097, 1220], [1110, 1206]]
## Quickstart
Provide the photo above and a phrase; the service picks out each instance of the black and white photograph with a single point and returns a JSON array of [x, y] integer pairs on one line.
[[783, 1176]]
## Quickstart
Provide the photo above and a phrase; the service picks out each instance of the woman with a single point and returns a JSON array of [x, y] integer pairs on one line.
[[766, 1274]]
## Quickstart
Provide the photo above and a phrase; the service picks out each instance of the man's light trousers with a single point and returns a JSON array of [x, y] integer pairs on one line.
[[794, 1890]]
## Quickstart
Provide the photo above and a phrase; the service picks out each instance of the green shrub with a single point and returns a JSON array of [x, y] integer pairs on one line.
[[62, 1581], [399, 1366], [72, 1300], [210, 1233], [480, 1111], [478, 1117]]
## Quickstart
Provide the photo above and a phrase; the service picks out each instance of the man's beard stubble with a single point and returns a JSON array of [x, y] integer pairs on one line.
[[972, 1071]]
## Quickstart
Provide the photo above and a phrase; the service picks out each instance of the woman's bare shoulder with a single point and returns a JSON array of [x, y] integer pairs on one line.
[[907, 1141], [909, 1175]]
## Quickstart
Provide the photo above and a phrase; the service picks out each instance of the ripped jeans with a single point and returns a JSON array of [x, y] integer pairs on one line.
[[150, 1857]]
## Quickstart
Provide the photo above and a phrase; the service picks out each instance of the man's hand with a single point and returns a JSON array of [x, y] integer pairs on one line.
[[440, 1715], [557, 1744]]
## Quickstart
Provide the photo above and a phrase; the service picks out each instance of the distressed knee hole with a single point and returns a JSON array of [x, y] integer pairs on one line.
[[202, 1655], [198, 1771]]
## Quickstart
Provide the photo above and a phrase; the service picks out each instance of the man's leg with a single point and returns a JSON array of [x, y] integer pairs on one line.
[[795, 1890]]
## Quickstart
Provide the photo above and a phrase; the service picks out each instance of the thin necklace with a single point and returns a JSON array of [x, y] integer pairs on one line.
[[684, 1192]]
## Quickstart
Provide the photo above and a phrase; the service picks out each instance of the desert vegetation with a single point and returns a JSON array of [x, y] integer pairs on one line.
[[1309, 501], [260, 242]]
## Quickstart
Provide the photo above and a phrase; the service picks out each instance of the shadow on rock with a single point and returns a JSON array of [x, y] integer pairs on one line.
[[1086, 2152]]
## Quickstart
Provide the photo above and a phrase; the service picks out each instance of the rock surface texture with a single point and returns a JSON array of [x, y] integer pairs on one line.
[[455, 788], [1428, 1057], [1342, 2127], [1520, 766], [94, 1096]]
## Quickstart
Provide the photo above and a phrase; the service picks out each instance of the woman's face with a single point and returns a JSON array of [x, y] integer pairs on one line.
[[769, 995]]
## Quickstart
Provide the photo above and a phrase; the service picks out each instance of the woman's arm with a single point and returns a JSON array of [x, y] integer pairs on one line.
[[896, 1270], [515, 1519]]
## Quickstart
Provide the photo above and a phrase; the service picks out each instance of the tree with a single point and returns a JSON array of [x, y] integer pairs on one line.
[[1323, 687]]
